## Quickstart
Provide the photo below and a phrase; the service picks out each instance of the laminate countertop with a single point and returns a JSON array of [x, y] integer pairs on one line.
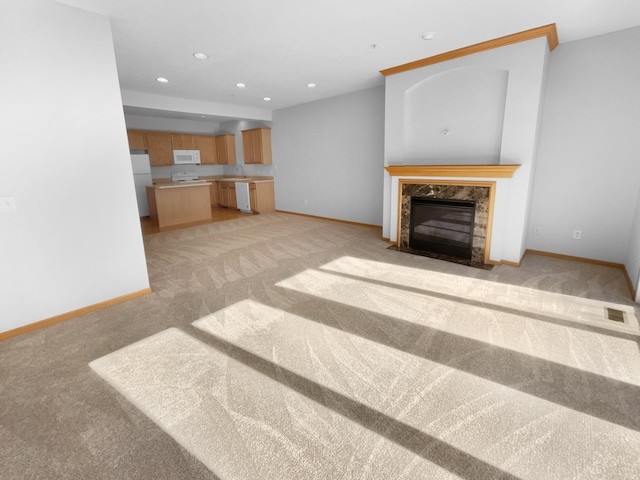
[[178, 184], [216, 178], [239, 179]]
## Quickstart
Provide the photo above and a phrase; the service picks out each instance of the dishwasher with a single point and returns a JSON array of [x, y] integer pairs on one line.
[[242, 197]]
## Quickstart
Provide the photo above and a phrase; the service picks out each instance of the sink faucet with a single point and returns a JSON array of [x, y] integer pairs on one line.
[[241, 171]]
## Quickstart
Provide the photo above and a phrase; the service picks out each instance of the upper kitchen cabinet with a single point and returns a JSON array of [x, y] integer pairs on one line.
[[207, 146], [226, 149], [137, 139], [160, 148], [256, 144], [205, 143], [183, 141]]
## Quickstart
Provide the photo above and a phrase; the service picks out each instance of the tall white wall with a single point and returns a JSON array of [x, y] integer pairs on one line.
[[75, 237], [328, 157], [588, 171]]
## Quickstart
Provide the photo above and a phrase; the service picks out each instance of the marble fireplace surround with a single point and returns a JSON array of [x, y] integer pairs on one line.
[[480, 192], [424, 182]]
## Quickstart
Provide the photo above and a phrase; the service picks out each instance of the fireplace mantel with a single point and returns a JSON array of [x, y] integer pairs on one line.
[[489, 171]]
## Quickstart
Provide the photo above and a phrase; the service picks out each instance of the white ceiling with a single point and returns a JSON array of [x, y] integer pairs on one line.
[[276, 47]]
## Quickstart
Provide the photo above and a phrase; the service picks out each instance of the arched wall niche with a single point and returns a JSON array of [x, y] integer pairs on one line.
[[455, 117]]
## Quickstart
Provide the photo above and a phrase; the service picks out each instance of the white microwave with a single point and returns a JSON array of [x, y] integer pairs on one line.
[[186, 157]]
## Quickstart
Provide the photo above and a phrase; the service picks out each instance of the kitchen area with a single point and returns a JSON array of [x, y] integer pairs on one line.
[[184, 179]]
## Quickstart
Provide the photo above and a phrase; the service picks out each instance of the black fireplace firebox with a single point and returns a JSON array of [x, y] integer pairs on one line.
[[443, 226]]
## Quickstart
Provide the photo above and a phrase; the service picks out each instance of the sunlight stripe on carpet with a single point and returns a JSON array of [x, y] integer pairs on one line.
[[494, 423], [244, 425], [492, 294], [616, 355]]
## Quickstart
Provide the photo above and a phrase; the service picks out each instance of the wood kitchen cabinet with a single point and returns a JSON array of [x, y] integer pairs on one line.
[[181, 141], [256, 145], [226, 149], [137, 139], [160, 148], [207, 146], [231, 189], [214, 193], [161, 145], [227, 194], [172, 204], [221, 199], [262, 197], [223, 194]]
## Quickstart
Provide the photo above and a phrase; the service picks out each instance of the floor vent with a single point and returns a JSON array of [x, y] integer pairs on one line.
[[615, 315]]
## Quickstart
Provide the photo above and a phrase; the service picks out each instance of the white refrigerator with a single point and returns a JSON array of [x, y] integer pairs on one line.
[[141, 178]]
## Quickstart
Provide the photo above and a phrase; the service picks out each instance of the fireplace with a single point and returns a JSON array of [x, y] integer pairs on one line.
[[442, 226], [477, 183], [469, 201]]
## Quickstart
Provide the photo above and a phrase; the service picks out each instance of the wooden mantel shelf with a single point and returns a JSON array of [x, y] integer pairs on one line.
[[491, 171]]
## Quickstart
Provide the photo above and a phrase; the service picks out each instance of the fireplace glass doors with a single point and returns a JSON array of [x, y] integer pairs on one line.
[[442, 226]]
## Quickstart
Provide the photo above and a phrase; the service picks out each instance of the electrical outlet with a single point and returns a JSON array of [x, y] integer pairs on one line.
[[577, 234], [7, 204], [536, 229]]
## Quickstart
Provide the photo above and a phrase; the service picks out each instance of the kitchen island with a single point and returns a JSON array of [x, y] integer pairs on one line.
[[172, 204], [223, 194]]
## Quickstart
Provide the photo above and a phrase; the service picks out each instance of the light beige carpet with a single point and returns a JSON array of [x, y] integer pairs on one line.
[[320, 344], [246, 425], [404, 374]]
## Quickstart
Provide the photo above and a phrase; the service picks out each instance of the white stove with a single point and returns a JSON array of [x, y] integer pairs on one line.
[[184, 177]]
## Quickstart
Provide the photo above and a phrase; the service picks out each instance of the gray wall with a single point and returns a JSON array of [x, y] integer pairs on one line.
[[588, 171], [328, 157], [74, 239]]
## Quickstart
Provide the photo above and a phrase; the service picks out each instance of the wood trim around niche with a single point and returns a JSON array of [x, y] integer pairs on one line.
[[491, 171], [548, 31]]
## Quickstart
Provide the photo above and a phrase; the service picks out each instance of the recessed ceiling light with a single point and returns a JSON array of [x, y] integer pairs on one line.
[[240, 85], [201, 56], [267, 99], [311, 85], [162, 80], [428, 35]]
